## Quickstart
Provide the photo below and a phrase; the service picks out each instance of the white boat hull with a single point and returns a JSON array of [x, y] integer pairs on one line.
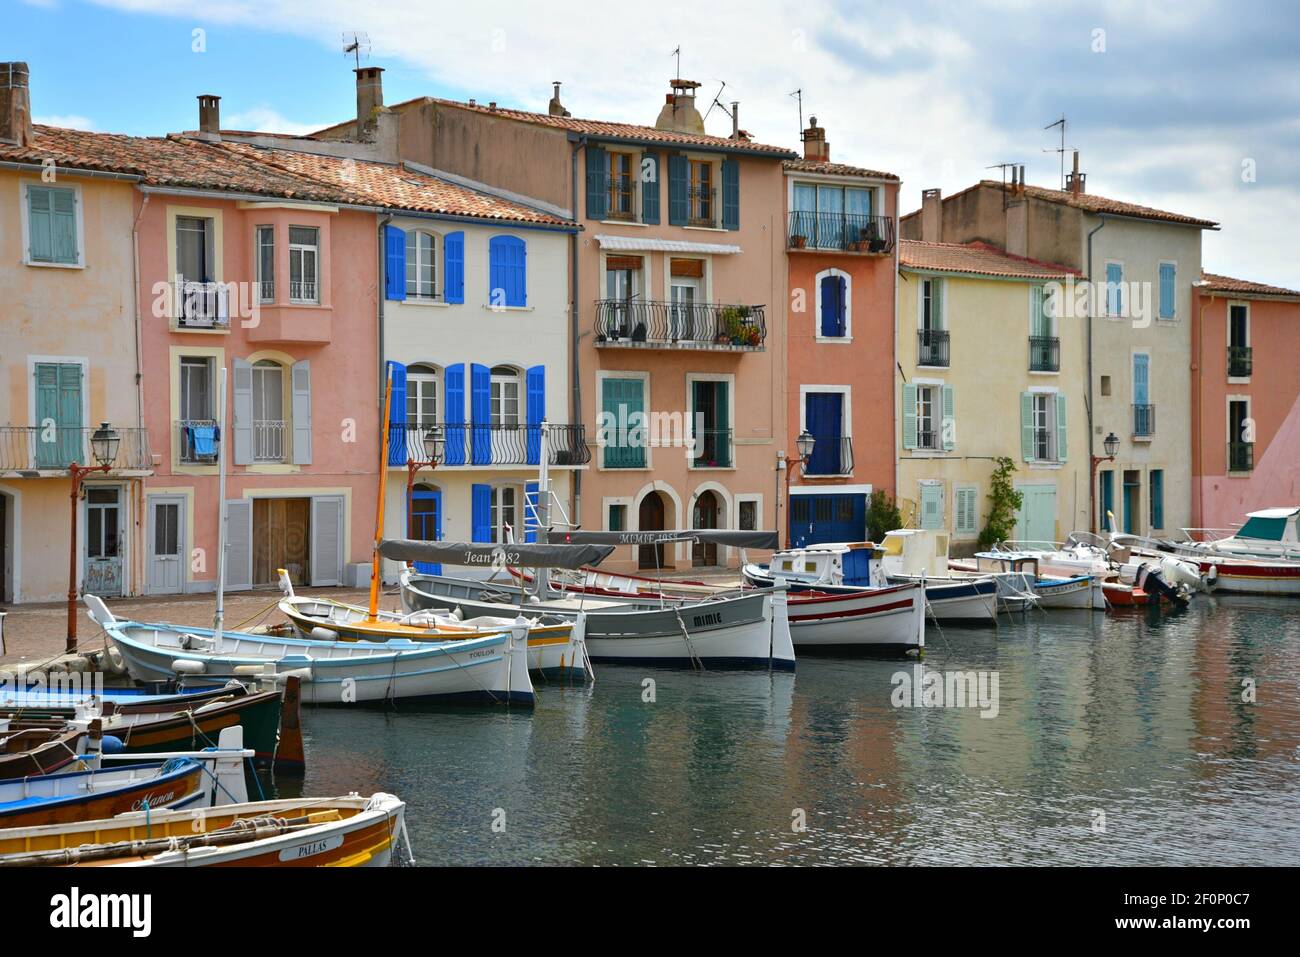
[[872, 620], [1079, 593], [737, 645]]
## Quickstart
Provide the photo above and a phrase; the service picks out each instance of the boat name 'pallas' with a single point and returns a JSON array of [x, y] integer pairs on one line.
[[75, 910]]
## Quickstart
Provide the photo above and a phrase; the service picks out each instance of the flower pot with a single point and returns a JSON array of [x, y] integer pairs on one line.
[[799, 242]]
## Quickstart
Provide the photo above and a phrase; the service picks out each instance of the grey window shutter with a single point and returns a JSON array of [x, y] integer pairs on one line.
[[327, 540], [302, 413], [243, 428], [239, 544]]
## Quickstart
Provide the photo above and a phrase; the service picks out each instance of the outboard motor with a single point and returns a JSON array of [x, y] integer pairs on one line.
[[1180, 573], [1151, 581]]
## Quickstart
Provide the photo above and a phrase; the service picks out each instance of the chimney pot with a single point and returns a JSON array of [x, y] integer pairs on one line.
[[370, 99], [556, 108], [679, 112], [209, 113], [735, 119], [15, 104], [815, 147], [932, 215]]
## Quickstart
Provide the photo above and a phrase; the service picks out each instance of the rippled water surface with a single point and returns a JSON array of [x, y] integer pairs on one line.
[[1131, 722]]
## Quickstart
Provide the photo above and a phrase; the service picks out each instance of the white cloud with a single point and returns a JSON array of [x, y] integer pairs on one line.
[[265, 119], [70, 122]]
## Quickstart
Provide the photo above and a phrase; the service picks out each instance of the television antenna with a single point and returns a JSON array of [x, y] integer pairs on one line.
[[1061, 149], [718, 102], [678, 54], [798, 95], [356, 44]]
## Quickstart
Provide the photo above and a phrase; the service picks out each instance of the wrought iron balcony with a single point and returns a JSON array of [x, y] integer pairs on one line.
[[467, 443], [1144, 420], [1241, 456], [1044, 354], [1240, 361], [703, 206], [932, 347], [1044, 445], [268, 440], [830, 456], [198, 441], [925, 439], [200, 305], [652, 324], [34, 448], [844, 232], [713, 449]]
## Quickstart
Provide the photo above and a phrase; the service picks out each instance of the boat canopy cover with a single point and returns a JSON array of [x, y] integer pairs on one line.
[[488, 555], [712, 536]]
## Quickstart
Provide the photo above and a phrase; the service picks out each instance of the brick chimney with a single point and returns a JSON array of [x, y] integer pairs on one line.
[[370, 99], [815, 147], [210, 113], [15, 105], [556, 108], [679, 112], [1076, 182], [932, 215]]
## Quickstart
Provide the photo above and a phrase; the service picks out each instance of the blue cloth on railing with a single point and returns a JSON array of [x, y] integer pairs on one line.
[[203, 439]]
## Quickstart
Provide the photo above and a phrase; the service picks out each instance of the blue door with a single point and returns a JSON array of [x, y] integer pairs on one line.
[[426, 522], [827, 518]]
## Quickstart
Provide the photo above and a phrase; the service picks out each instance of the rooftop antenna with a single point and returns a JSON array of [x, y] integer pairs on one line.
[[678, 54], [798, 95], [717, 102], [1004, 167], [357, 44], [1061, 149]]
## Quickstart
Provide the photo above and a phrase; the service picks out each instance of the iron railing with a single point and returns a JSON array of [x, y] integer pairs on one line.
[[847, 232], [622, 197], [303, 291], [467, 443], [268, 440], [33, 447], [189, 437], [1043, 451], [702, 205], [932, 347], [201, 305], [653, 323], [830, 456], [1144, 420], [713, 449], [925, 439], [1241, 456], [266, 290], [1044, 354], [1240, 361]]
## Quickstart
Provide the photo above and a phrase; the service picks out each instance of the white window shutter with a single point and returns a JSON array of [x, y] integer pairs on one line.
[[1027, 426], [243, 403], [327, 540], [302, 412], [239, 544]]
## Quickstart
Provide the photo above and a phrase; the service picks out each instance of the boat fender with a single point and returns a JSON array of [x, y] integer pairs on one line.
[[303, 674], [324, 634], [1211, 578], [188, 666], [114, 660], [112, 744], [248, 669]]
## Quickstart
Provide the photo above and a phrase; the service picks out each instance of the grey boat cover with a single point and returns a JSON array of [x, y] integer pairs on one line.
[[715, 536], [488, 555]]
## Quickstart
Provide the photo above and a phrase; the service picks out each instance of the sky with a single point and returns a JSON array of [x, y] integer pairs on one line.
[[1191, 106]]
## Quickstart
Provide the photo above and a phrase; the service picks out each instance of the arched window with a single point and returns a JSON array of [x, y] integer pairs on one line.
[[506, 405], [421, 396], [268, 411], [833, 305], [420, 270]]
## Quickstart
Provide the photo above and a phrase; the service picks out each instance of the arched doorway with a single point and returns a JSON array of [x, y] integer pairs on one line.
[[425, 521], [651, 519], [705, 515]]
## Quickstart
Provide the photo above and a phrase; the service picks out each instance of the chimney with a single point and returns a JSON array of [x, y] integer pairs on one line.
[[932, 216], [556, 108], [735, 119], [815, 147], [1076, 182], [679, 112], [370, 99], [15, 105], [210, 114]]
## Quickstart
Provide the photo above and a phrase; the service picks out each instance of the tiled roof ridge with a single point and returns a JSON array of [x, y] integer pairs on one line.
[[1248, 287]]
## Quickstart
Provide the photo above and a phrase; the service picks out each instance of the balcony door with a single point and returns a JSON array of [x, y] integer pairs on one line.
[[198, 423], [711, 424], [58, 415], [268, 412], [650, 518], [105, 533], [824, 420]]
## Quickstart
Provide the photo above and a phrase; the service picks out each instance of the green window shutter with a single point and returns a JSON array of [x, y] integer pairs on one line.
[[64, 222], [932, 506], [1040, 321], [964, 506], [40, 225], [722, 441], [909, 415], [1026, 426], [948, 428], [1061, 445], [623, 399]]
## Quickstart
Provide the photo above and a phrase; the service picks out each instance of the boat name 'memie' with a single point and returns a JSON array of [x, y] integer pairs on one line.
[[75, 910]]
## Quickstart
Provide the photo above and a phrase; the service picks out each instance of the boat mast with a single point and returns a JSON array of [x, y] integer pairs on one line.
[[373, 614], [219, 619], [543, 507]]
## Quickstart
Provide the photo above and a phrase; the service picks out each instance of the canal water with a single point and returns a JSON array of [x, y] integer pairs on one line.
[[1117, 739]]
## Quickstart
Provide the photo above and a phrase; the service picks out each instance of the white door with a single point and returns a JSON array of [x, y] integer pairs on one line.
[[239, 544], [166, 544]]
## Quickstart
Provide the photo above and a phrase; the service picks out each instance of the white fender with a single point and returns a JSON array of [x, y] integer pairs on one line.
[[321, 633], [188, 666], [229, 771], [519, 684]]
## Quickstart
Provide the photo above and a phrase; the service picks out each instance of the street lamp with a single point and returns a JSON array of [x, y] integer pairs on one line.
[[103, 444], [1111, 445], [431, 442], [804, 445]]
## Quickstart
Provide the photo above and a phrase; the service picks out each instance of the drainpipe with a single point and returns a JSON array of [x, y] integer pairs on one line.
[[575, 399], [137, 556], [896, 421], [1093, 520]]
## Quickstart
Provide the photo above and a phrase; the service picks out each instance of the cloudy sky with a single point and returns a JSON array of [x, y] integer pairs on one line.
[[1192, 106]]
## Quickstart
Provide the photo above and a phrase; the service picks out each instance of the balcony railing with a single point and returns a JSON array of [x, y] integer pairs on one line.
[[932, 347], [32, 448], [647, 323], [1144, 420], [465, 443], [713, 449], [266, 290], [303, 291], [1044, 440], [1044, 354], [845, 232], [830, 456], [201, 305], [199, 441], [1240, 361], [268, 440], [703, 206], [925, 439], [1241, 456]]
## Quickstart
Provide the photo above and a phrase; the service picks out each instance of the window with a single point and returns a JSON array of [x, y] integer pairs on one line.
[[268, 412], [1240, 360], [304, 264], [833, 305], [622, 186], [1241, 444], [1143, 411], [931, 304], [701, 194], [421, 397], [266, 263], [965, 517], [747, 515], [1044, 427], [507, 272], [1114, 289], [927, 417], [505, 513], [686, 279], [420, 269], [835, 217], [824, 418], [623, 422], [617, 518], [1044, 347], [710, 424], [505, 396], [1168, 290], [619, 316], [197, 423], [1157, 480], [932, 337], [52, 225]]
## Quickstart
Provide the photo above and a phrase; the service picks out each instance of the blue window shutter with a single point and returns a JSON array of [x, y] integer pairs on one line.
[[397, 414], [481, 512], [507, 271], [394, 263], [1167, 290], [678, 186], [536, 398], [518, 273], [597, 183], [454, 410], [649, 173], [1157, 498], [480, 413], [1114, 300], [453, 267], [531, 496], [832, 306], [730, 194], [497, 292]]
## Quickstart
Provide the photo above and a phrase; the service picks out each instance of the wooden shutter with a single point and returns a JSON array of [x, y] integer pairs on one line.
[[480, 413], [243, 408], [454, 410], [239, 544], [964, 505], [1157, 498], [686, 268], [650, 188], [730, 194], [613, 263], [63, 210], [453, 267], [1141, 378], [394, 263], [397, 414], [1114, 298], [300, 378], [536, 411], [678, 190], [1061, 439], [507, 271], [327, 540], [948, 426], [1027, 426], [909, 415], [597, 183], [481, 512], [932, 506]]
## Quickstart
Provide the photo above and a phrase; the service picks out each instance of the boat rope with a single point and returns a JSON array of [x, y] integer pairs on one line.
[[696, 662]]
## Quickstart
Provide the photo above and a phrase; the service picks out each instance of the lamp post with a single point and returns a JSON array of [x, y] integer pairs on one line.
[[804, 445], [431, 441], [103, 444], [1111, 445]]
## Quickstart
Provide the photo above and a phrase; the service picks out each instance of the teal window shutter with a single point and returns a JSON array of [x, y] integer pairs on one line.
[[1157, 498], [453, 267], [597, 183], [964, 511], [1027, 426], [650, 188], [678, 190], [622, 401], [52, 225], [909, 415], [949, 426], [1114, 294], [1167, 290], [64, 212], [1062, 443], [730, 194]]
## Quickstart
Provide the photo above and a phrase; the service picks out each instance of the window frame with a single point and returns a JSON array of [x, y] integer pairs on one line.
[[259, 245], [413, 285], [301, 249], [78, 220], [847, 338], [418, 376]]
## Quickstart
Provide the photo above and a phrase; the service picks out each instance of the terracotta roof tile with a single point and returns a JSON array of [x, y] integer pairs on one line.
[[835, 169], [979, 259], [1242, 287]]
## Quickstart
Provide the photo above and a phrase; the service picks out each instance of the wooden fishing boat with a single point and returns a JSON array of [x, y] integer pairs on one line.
[[350, 831], [28, 751], [1078, 592]]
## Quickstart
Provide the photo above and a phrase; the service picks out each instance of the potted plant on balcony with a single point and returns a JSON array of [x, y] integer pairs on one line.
[[798, 242], [873, 241]]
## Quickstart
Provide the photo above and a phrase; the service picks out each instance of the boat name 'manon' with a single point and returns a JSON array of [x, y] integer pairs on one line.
[[154, 800], [74, 910]]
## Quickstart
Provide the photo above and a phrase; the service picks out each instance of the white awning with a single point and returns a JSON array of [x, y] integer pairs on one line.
[[636, 243]]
